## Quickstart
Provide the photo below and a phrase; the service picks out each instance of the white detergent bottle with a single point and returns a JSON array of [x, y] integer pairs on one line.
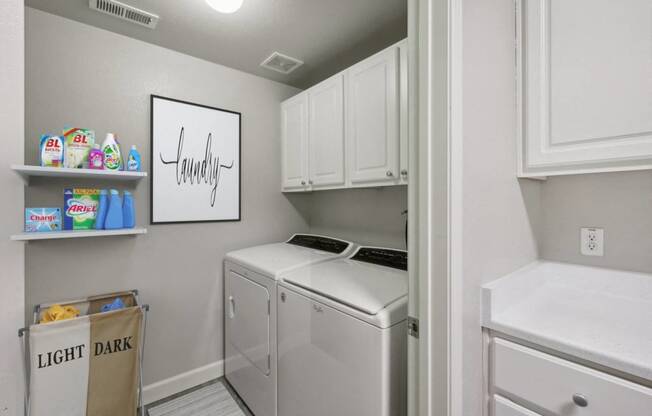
[[111, 150]]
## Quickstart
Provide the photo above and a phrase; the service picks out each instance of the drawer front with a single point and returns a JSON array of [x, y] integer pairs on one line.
[[503, 407], [559, 386]]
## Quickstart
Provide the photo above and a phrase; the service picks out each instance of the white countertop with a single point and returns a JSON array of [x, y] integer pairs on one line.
[[600, 315]]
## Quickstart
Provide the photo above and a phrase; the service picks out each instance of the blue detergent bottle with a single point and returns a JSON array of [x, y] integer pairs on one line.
[[128, 211], [133, 160], [102, 207], [114, 219]]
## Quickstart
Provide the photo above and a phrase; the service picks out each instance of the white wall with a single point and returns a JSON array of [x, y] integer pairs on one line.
[[501, 214], [12, 292], [87, 77], [367, 216], [621, 203]]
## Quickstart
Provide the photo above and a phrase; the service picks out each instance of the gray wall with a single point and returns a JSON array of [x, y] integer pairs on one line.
[[501, 214], [367, 216], [83, 76], [12, 292], [621, 203]]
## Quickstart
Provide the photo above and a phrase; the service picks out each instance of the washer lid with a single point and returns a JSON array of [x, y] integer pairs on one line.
[[369, 281], [301, 250]]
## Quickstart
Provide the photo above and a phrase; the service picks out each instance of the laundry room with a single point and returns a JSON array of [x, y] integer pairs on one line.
[[326, 208], [204, 99]]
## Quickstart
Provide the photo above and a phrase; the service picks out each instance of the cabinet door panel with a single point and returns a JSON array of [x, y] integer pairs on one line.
[[294, 142], [373, 118], [327, 132], [586, 89]]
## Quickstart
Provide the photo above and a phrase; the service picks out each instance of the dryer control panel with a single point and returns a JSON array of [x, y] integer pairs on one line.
[[316, 242], [383, 257]]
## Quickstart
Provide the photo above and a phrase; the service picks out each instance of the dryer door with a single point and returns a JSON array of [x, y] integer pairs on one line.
[[247, 320]]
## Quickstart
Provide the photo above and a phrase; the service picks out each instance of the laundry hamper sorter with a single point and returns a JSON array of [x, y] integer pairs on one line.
[[86, 366]]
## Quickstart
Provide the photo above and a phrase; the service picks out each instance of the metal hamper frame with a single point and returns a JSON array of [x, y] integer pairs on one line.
[[37, 311]]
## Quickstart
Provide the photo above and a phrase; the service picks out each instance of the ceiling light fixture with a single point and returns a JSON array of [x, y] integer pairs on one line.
[[225, 6]]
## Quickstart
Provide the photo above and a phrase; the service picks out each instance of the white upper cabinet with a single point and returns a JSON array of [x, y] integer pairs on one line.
[[326, 110], [585, 86], [372, 123], [350, 130], [294, 145]]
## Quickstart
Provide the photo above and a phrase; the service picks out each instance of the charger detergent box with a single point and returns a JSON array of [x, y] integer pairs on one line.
[[39, 220], [80, 207]]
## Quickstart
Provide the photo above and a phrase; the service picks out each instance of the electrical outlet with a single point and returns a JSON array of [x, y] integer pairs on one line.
[[592, 241]]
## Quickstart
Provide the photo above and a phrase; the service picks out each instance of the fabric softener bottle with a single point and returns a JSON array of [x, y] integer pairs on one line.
[[128, 211], [102, 208], [114, 219]]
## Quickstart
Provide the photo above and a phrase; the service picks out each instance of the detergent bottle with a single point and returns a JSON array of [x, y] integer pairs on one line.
[[114, 219], [128, 211], [112, 155], [133, 160], [102, 207]]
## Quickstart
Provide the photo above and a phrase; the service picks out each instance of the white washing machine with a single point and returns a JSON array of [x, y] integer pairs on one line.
[[250, 293], [342, 336]]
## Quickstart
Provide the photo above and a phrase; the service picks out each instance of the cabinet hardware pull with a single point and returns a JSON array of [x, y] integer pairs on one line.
[[390, 173], [580, 400], [283, 297], [303, 182], [404, 172], [310, 182], [317, 308]]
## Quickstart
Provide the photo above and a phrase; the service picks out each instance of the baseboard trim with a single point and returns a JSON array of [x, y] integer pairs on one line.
[[184, 381]]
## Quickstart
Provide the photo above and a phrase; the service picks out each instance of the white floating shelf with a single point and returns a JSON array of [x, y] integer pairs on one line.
[[28, 171], [77, 234]]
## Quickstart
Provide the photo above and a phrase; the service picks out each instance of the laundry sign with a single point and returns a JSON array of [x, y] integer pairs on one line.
[[195, 162], [87, 366]]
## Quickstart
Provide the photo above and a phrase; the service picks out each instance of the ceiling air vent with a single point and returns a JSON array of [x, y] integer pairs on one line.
[[124, 12], [281, 63]]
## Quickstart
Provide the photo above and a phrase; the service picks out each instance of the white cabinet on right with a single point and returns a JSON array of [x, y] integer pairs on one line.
[[524, 381], [372, 122], [584, 86]]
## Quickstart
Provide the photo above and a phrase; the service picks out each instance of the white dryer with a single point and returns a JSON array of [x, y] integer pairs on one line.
[[250, 293], [342, 336]]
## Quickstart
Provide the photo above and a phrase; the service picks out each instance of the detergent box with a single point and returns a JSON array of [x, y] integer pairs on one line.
[[80, 206], [51, 151], [79, 143], [42, 219]]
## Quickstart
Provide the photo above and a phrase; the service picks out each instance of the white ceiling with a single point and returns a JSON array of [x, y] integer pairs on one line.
[[328, 35]]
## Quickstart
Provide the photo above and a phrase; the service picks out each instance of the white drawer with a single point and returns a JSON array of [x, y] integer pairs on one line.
[[503, 407], [550, 383]]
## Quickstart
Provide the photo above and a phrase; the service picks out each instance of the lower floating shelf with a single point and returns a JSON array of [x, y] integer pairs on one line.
[[77, 234]]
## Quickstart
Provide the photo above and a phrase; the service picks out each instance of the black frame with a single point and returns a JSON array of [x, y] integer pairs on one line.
[[151, 160]]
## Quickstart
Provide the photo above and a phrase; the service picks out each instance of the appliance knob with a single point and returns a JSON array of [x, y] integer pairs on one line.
[[283, 297], [580, 400], [390, 173]]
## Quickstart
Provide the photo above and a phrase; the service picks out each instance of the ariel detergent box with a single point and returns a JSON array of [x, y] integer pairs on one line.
[[80, 207], [42, 219]]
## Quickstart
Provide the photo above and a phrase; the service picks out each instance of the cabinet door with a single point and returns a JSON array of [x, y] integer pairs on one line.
[[294, 142], [404, 115], [373, 118], [585, 91], [326, 109]]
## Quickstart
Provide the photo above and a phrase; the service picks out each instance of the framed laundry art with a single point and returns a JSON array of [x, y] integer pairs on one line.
[[195, 162]]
